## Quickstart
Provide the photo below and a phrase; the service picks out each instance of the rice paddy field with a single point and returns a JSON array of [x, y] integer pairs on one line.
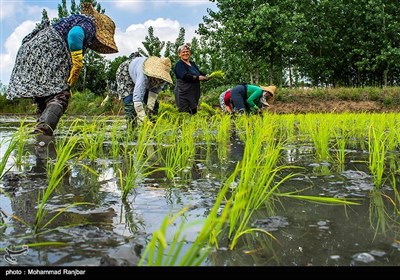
[[260, 190]]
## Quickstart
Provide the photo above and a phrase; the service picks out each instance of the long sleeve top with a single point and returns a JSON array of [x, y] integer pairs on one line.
[[254, 93], [75, 38], [140, 80], [187, 73]]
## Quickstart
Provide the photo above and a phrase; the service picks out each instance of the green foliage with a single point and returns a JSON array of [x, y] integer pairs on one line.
[[16, 106], [211, 96], [88, 103], [112, 70], [207, 109], [152, 44], [286, 43], [94, 74], [167, 107], [85, 103]]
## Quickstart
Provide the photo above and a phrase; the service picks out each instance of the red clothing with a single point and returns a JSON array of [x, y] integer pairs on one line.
[[227, 98]]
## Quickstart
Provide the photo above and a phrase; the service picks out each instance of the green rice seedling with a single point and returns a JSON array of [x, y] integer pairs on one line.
[[168, 108], [377, 153], [321, 170], [216, 74], [341, 139], [157, 252], [178, 156], [256, 174], [127, 181], [205, 110], [223, 137], [360, 129], [65, 154], [205, 135], [139, 160], [176, 148], [317, 199], [168, 130], [285, 125], [4, 160], [115, 137], [319, 132], [3, 163], [22, 138], [92, 136], [160, 252], [396, 132], [302, 127], [175, 159], [356, 132], [390, 121]]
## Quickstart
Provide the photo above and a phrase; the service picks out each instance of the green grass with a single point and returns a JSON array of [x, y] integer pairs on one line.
[[87, 103]]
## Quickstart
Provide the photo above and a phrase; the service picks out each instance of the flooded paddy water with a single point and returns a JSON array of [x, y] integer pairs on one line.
[[329, 197]]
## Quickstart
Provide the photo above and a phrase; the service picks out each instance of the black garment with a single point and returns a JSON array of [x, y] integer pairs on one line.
[[187, 89], [187, 96]]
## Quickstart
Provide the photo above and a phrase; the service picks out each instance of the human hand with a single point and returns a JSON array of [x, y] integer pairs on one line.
[[255, 109], [140, 112], [203, 78]]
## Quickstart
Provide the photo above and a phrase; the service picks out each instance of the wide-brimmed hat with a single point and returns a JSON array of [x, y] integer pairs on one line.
[[271, 90], [105, 30], [158, 67]]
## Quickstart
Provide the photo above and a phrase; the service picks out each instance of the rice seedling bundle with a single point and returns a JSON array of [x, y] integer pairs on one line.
[[216, 74]]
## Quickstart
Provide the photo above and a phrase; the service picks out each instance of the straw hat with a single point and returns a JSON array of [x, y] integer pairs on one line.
[[158, 67], [270, 89], [105, 30]]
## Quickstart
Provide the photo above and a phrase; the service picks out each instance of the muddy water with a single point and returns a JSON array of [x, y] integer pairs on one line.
[[109, 232]]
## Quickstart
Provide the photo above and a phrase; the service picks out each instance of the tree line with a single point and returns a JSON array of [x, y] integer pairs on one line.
[[291, 43]]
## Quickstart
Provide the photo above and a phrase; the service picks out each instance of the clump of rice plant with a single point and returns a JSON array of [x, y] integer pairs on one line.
[[216, 74], [65, 159], [162, 252], [22, 136], [3, 163], [377, 143], [139, 159]]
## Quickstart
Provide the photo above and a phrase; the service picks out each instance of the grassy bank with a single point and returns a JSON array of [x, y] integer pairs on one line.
[[86, 103]]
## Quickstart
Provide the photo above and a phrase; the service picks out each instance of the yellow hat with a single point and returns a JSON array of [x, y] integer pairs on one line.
[[105, 30], [158, 67], [264, 99], [270, 89]]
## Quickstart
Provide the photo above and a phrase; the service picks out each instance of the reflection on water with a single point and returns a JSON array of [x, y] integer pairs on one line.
[[110, 232]]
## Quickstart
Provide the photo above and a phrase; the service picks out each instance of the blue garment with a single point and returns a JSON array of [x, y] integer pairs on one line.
[[75, 38], [246, 97], [64, 26]]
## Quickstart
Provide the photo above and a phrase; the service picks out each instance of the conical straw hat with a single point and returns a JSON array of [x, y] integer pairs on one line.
[[158, 67], [105, 30]]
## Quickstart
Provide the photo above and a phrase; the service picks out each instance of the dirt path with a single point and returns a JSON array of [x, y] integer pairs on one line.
[[330, 106]]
